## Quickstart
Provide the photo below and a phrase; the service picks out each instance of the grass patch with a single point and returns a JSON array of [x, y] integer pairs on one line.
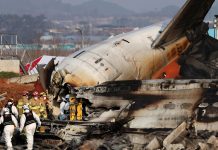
[[8, 74]]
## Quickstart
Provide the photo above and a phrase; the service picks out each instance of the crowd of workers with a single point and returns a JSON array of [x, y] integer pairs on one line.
[[30, 109], [25, 116], [72, 108]]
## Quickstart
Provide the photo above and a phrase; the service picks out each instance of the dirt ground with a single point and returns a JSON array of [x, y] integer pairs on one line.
[[13, 90]]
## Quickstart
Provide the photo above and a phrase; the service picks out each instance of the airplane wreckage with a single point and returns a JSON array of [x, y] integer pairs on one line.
[[124, 82]]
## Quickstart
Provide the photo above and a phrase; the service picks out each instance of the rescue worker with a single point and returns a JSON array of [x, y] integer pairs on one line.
[[10, 105], [34, 103], [26, 95], [35, 95], [79, 110], [64, 108], [30, 121], [43, 104], [76, 108], [9, 122], [43, 96], [23, 101], [73, 107]]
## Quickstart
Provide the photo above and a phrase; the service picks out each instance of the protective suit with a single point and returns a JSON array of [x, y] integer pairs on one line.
[[64, 108], [30, 121], [13, 110], [9, 122]]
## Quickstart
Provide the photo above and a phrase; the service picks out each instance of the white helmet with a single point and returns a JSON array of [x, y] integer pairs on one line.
[[26, 108], [67, 96], [10, 103], [6, 111]]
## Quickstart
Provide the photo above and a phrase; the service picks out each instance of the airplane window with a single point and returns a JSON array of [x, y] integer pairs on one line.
[[170, 106], [97, 61], [186, 105]]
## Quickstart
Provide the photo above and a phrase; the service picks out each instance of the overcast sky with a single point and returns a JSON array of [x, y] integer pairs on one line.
[[138, 5]]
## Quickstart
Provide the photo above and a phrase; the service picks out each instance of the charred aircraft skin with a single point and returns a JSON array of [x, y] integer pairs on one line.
[[143, 106], [152, 103]]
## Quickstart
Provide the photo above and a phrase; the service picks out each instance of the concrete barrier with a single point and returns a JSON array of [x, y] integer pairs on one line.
[[24, 79], [10, 66]]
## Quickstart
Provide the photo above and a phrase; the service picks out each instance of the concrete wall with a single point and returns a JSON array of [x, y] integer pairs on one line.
[[10, 66]]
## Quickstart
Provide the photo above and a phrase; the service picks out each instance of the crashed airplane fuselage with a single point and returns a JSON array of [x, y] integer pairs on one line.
[[138, 55], [125, 57]]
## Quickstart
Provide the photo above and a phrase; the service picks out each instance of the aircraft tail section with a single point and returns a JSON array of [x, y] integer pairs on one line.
[[190, 15]]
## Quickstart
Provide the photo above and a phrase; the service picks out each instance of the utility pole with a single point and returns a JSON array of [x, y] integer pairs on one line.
[[82, 36]]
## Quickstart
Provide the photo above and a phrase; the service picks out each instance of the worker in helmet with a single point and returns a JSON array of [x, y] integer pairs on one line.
[[10, 105], [35, 94], [43, 96], [26, 94], [30, 121], [34, 103], [64, 108], [73, 107], [9, 122], [43, 105], [22, 101]]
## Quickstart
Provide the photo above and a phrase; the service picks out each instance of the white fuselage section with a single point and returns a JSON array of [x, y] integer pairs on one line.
[[128, 56]]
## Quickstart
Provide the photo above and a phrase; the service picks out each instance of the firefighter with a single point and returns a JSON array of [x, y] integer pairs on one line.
[[76, 108], [64, 108], [79, 110], [34, 103], [26, 95], [9, 122], [43, 104], [23, 101], [43, 96], [31, 122], [10, 105], [73, 107]]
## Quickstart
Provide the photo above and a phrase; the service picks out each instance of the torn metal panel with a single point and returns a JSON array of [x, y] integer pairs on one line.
[[200, 60], [179, 132], [205, 126], [154, 144], [45, 74]]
